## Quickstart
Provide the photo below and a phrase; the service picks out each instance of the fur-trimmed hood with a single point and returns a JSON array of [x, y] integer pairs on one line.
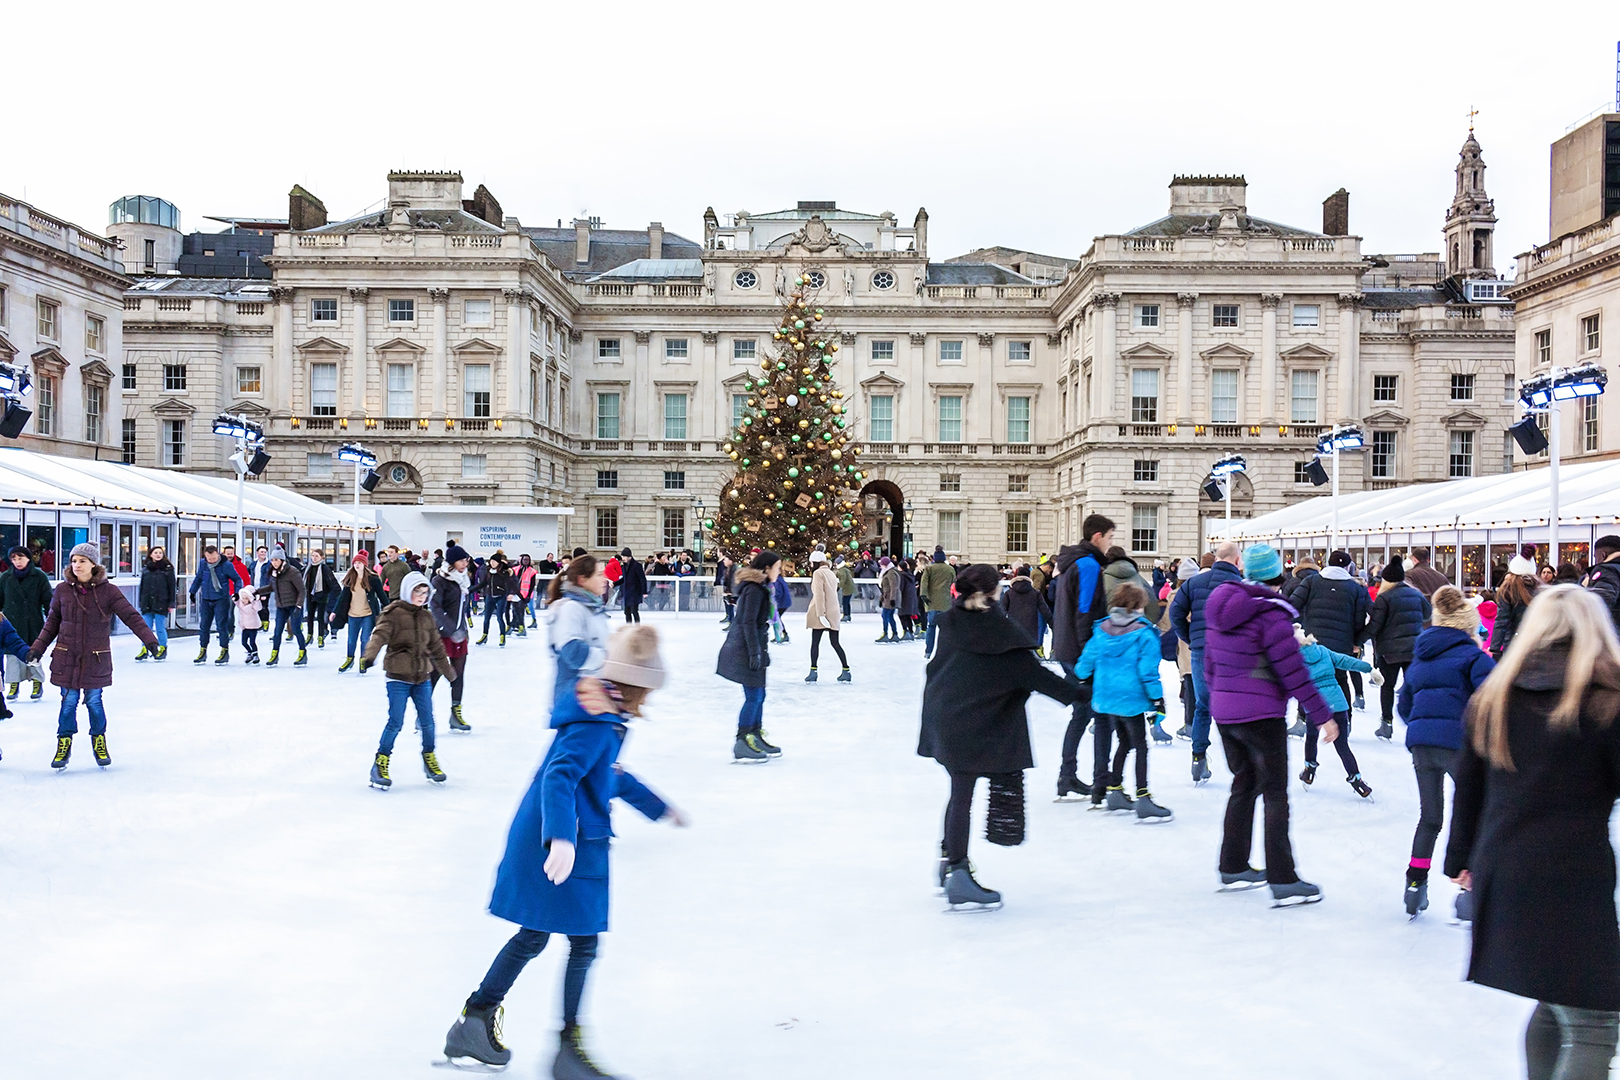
[[747, 575]]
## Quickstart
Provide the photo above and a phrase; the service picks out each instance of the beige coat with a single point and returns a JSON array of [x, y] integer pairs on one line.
[[823, 600]]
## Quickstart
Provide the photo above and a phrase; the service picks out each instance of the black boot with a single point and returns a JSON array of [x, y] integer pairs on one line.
[[1070, 784], [476, 1035], [572, 1062]]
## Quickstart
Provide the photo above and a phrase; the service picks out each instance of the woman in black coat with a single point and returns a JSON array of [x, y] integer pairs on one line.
[[1398, 617], [1512, 601], [973, 723], [1025, 606], [1536, 784], [156, 599], [746, 654]]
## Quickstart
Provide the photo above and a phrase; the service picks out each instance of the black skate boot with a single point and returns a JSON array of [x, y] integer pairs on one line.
[[1149, 812], [320, 642], [475, 1037], [379, 773], [811, 677], [844, 676], [944, 868], [1308, 773], [98, 746], [1464, 907], [1243, 880], [456, 722], [1417, 894], [759, 741], [482, 638], [38, 691], [1297, 730], [12, 690], [162, 653], [1161, 737], [1295, 892], [302, 659], [1184, 732], [1360, 704], [223, 658], [64, 750], [348, 662], [275, 658], [1070, 784], [1359, 786], [143, 654], [746, 751], [430, 766], [1200, 769], [962, 893], [1116, 799], [202, 656], [573, 1063], [1386, 731]]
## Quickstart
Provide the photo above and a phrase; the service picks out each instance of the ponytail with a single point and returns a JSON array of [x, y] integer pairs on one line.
[[580, 568]]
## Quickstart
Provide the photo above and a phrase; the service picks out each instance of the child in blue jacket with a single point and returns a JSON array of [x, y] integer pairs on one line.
[[553, 878], [1122, 659], [1324, 665], [11, 642]]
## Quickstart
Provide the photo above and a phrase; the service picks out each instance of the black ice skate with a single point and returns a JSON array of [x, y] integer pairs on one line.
[[64, 750], [759, 741], [1308, 773], [1297, 731], [302, 659], [162, 653], [202, 656], [1069, 784], [223, 658], [1117, 800], [811, 677], [275, 658], [1295, 892], [1184, 732], [474, 1041], [573, 1063], [1161, 737], [143, 654], [1200, 769], [844, 676], [1417, 897], [1463, 910], [1243, 880], [962, 893], [38, 691], [746, 752], [11, 691], [348, 662], [1360, 704], [379, 773], [1149, 812], [1359, 786], [1386, 731], [98, 746], [430, 766], [456, 722]]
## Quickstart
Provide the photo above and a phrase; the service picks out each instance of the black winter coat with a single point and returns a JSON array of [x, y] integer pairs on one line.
[[1025, 607], [983, 671], [745, 655], [158, 590], [1079, 568], [909, 603], [25, 599], [1508, 617], [378, 598], [633, 585], [1332, 608], [1398, 617], [1536, 841]]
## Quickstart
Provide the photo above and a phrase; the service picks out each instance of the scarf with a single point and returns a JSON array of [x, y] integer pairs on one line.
[[594, 603]]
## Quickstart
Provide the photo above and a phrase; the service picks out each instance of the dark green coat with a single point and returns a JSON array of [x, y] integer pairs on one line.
[[25, 599]]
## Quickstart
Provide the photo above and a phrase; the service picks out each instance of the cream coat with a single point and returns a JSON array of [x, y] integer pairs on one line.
[[823, 600]]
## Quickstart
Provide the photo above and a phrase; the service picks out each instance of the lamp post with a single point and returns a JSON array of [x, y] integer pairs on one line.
[[362, 459], [248, 436], [1224, 470], [1546, 394], [909, 544], [1339, 439]]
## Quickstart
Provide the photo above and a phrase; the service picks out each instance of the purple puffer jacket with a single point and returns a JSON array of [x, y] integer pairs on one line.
[[1251, 660]]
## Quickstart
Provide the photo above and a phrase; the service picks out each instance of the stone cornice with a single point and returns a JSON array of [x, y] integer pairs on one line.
[[1533, 285], [62, 258]]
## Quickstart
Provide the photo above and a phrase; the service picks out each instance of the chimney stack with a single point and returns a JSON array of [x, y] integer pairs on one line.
[[484, 205], [304, 211], [582, 240], [921, 225], [655, 240], [1336, 214]]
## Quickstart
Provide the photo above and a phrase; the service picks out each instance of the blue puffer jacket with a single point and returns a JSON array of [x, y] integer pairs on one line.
[[1123, 658], [568, 800], [1322, 662], [1448, 667], [1187, 609]]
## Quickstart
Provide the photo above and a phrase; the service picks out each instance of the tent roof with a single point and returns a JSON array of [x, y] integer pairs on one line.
[[1587, 496], [46, 480]]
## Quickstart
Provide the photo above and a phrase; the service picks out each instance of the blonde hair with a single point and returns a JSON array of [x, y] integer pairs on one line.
[[1561, 617]]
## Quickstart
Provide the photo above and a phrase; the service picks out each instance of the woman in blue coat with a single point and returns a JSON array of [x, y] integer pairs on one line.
[[12, 644], [553, 878]]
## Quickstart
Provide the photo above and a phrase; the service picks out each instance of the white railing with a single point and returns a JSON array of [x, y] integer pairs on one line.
[[475, 241], [1386, 316], [319, 240], [1149, 243], [677, 291], [173, 304], [1317, 243], [610, 290], [255, 307]]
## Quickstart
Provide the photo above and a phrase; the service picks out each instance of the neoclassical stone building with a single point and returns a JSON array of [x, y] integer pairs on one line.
[[489, 362]]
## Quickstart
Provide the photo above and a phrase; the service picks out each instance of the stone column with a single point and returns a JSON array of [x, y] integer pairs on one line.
[[1268, 356], [632, 425], [1105, 363], [1184, 356], [364, 384], [441, 349], [705, 422], [517, 347], [1349, 357], [279, 392], [983, 425]]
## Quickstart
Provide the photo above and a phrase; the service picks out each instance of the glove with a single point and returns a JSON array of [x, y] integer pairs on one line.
[[824, 623], [364, 664], [1158, 706], [1376, 678], [33, 656]]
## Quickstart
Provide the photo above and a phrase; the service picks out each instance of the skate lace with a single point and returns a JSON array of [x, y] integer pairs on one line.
[[381, 764], [495, 1026], [431, 760], [576, 1038]]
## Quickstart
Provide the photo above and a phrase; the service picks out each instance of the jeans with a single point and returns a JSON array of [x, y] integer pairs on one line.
[[1132, 732], [1432, 765], [360, 627], [1040, 630], [1347, 756], [524, 946], [422, 694], [928, 641], [1078, 719], [752, 714], [1257, 754], [213, 617], [285, 615], [843, 602], [889, 627], [1566, 1043], [731, 608], [67, 721], [959, 816], [1200, 723], [1386, 693], [495, 608], [159, 625]]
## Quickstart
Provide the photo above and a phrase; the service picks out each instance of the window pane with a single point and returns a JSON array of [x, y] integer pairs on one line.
[[1383, 454], [1144, 529], [950, 352], [128, 432], [476, 386], [1303, 397], [474, 466], [1384, 387], [323, 311], [882, 418], [607, 479], [323, 389], [477, 313], [1147, 316], [1462, 388], [1018, 419], [1017, 530], [744, 350], [402, 311], [1018, 351], [882, 350], [607, 349], [1146, 472], [674, 348], [674, 416], [1307, 315], [1224, 315], [1462, 454], [1223, 389], [674, 528], [949, 534], [950, 481], [607, 416], [401, 390], [248, 380], [1145, 395], [950, 419], [319, 465], [739, 405], [674, 480], [607, 527]]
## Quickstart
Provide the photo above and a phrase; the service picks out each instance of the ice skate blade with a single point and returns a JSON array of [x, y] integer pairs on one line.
[[971, 908], [1297, 901], [1072, 798], [1155, 820], [750, 761], [1241, 886], [378, 787], [468, 1064]]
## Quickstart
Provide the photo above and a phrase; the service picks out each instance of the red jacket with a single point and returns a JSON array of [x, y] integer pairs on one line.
[[241, 572], [613, 571]]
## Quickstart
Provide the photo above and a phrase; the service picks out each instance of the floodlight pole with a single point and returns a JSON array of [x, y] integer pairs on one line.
[[1333, 536], [241, 484], [1554, 409], [1229, 484], [354, 543]]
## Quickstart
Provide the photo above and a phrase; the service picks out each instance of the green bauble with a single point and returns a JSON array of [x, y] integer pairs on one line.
[[735, 530], [793, 521], [798, 324], [839, 421], [746, 463], [793, 473], [780, 366], [819, 495], [802, 528], [838, 468], [827, 435], [779, 506], [795, 438]]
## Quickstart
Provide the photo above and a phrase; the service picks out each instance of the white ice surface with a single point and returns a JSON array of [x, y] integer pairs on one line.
[[231, 899]]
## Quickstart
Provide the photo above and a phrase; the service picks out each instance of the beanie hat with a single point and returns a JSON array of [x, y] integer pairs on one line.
[[360, 557], [1394, 571], [817, 556], [1453, 609], [1186, 569], [1521, 566], [632, 658], [884, 561], [412, 581], [939, 554], [279, 552], [1610, 544], [455, 553], [1262, 562], [89, 551], [1340, 558]]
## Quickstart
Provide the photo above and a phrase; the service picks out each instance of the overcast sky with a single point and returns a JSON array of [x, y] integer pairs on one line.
[[1033, 125]]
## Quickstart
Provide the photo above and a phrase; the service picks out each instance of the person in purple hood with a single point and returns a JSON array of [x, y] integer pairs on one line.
[[1253, 666]]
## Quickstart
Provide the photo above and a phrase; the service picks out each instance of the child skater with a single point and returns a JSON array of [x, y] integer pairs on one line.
[[247, 617], [1324, 664], [1123, 659], [1447, 667], [553, 878], [415, 651], [11, 644]]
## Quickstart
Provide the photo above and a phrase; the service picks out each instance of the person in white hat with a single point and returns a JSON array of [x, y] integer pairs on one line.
[[823, 614]]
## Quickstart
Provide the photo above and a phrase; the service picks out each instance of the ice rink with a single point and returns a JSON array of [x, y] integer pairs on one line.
[[230, 898]]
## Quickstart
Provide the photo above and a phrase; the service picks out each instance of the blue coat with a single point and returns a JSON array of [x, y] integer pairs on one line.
[[11, 641], [783, 596], [1124, 662], [1448, 666], [203, 585], [1322, 662], [569, 800], [1187, 609]]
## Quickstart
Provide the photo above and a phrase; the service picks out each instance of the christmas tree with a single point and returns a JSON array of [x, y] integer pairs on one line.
[[797, 481]]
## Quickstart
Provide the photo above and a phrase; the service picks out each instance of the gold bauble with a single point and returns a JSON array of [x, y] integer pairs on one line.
[[804, 423], [836, 454], [767, 511], [787, 483], [798, 346], [833, 347], [818, 316], [750, 403], [733, 455]]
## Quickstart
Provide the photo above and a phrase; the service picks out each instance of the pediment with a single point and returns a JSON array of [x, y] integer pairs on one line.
[[1147, 351], [400, 344], [1386, 418], [1306, 351], [323, 344], [882, 381], [735, 383], [249, 409], [1463, 418], [173, 407], [475, 345], [1227, 351], [95, 371], [7, 349], [50, 360]]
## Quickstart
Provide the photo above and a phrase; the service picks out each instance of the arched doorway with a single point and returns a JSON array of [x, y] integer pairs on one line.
[[883, 518]]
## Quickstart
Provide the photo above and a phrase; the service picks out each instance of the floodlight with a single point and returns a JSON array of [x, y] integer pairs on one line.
[[1215, 490], [259, 463], [370, 481], [1527, 433], [13, 380], [1341, 440], [1315, 472], [356, 454], [1231, 463], [14, 419]]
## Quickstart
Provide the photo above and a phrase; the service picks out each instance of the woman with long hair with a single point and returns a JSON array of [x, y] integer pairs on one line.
[[578, 632], [1512, 601], [1398, 616], [746, 654], [359, 602], [1536, 784]]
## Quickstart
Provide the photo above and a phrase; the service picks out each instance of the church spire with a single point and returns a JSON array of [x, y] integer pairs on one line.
[[1471, 218]]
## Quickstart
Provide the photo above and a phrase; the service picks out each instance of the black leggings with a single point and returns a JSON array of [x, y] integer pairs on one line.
[[1132, 732], [458, 664], [815, 647], [1341, 744], [315, 616], [514, 614], [1566, 1043], [1257, 754], [495, 609], [1386, 693], [959, 816], [1346, 680], [632, 612], [1432, 765], [524, 946], [1189, 701], [250, 640]]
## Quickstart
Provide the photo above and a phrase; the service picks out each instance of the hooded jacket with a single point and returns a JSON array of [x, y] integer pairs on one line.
[[1077, 600], [1251, 661], [415, 649], [889, 587], [1397, 618], [981, 674], [158, 590], [1447, 668], [1025, 606], [1333, 607], [26, 597], [934, 583], [1122, 658], [447, 603], [744, 655], [1187, 607], [1322, 662], [80, 623], [1508, 617], [578, 636], [1121, 571], [823, 600], [286, 587]]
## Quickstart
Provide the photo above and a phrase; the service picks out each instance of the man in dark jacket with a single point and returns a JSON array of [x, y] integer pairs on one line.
[[1025, 606], [1187, 619], [1398, 616], [1078, 602], [632, 586], [212, 586], [1423, 577], [320, 594], [1604, 578], [25, 596], [1333, 607]]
